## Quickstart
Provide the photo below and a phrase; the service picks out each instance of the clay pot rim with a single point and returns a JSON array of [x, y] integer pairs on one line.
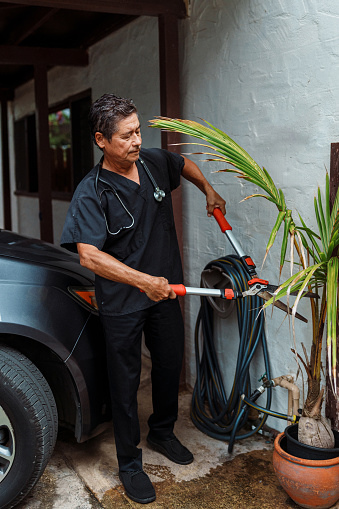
[[302, 461]]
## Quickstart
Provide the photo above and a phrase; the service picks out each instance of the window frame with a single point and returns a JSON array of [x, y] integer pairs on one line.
[[30, 134]]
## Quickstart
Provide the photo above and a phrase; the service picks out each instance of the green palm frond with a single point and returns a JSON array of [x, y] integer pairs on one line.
[[287, 227], [314, 247], [328, 222], [323, 227], [231, 152], [296, 282], [276, 228]]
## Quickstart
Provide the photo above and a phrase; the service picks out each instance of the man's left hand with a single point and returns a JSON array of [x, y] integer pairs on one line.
[[213, 201]]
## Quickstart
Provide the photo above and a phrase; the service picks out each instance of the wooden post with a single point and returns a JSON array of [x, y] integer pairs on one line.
[[332, 405], [170, 107], [334, 171], [43, 152], [6, 186], [170, 97], [169, 75]]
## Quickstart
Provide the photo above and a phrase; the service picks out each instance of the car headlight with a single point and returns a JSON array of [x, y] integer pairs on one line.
[[85, 295]]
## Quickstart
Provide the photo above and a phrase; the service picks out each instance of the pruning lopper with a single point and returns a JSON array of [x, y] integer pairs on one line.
[[257, 286]]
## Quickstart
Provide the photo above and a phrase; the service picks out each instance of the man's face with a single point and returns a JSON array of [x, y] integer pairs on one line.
[[125, 144]]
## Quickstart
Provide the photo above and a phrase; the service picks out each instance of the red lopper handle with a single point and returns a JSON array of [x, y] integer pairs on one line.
[[179, 289], [221, 220]]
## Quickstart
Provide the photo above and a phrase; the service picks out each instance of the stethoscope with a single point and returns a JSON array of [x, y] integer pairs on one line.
[[158, 194]]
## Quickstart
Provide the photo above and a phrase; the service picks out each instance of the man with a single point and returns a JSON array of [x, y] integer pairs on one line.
[[121, 223]]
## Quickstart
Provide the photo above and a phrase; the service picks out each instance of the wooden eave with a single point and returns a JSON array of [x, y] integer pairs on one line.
[[22, 55], [130, 7]]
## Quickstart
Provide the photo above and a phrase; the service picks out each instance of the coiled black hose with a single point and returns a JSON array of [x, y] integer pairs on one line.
[[219, 415]]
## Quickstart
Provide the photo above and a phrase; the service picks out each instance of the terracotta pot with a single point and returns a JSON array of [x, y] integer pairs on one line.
[[310, 483]]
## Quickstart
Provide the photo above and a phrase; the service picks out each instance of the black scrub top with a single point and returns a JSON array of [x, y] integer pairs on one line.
[[149, 246]]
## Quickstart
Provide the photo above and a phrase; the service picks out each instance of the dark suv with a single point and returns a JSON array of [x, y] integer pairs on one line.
[[52, 359]]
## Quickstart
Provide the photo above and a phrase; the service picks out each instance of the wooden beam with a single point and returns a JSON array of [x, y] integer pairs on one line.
[[24, 29], [170, 107], [6, 94], [332, 404], [6, 6], [169, 75], [43, 150], [131, 7], [21, 55], [6, 186]]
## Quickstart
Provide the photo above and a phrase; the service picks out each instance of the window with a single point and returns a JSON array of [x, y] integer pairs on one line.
[[70, 148], [60, 139]]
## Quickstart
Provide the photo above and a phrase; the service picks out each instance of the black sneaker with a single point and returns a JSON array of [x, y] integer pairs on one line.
[[138, 486], [172, 449]]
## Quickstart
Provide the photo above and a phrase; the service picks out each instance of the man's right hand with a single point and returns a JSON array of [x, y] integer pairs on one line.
[[157, 289]]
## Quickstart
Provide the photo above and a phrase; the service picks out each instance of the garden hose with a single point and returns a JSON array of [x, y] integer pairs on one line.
[[292, 418], [215, 413]]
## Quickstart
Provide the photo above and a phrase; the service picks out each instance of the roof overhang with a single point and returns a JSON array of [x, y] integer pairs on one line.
[[59, 32], [130, 7]]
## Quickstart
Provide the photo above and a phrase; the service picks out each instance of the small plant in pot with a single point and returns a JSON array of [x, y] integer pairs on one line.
[[315, 254]]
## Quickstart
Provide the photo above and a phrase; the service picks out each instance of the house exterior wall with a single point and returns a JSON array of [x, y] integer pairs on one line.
[[267, 74]]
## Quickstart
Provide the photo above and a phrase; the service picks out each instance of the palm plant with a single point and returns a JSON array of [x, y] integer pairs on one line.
[[317, 257]]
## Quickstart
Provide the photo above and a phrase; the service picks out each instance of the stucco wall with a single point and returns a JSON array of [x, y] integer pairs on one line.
[[121, 63], [267, 74]]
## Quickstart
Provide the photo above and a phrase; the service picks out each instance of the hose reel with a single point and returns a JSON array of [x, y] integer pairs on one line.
[[216, 277]]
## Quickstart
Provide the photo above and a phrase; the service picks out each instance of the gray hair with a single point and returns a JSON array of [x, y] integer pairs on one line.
[[106, 112]]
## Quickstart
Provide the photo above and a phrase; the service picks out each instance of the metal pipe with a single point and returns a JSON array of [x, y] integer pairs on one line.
[[234, 243]]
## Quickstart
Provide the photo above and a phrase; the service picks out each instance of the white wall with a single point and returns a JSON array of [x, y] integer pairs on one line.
[[267, 74], [121, 63]]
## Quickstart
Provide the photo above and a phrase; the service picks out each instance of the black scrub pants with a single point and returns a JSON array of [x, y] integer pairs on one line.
[[164, 336]]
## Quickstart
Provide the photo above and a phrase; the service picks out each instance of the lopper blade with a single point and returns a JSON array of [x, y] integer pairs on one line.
[[267, 296]]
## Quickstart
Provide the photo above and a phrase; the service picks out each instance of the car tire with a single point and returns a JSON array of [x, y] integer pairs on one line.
[[28, 426]]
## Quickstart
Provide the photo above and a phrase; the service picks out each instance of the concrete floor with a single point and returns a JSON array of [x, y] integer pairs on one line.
[[85, 476]]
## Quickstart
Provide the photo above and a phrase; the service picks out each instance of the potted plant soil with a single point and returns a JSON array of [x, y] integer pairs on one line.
[[315, 255]]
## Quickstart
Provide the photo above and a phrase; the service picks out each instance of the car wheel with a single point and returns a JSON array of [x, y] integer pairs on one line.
[[28, 426]]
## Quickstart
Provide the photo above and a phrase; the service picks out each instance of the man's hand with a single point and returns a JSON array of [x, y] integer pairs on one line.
[[213, 201], [157, 289]]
